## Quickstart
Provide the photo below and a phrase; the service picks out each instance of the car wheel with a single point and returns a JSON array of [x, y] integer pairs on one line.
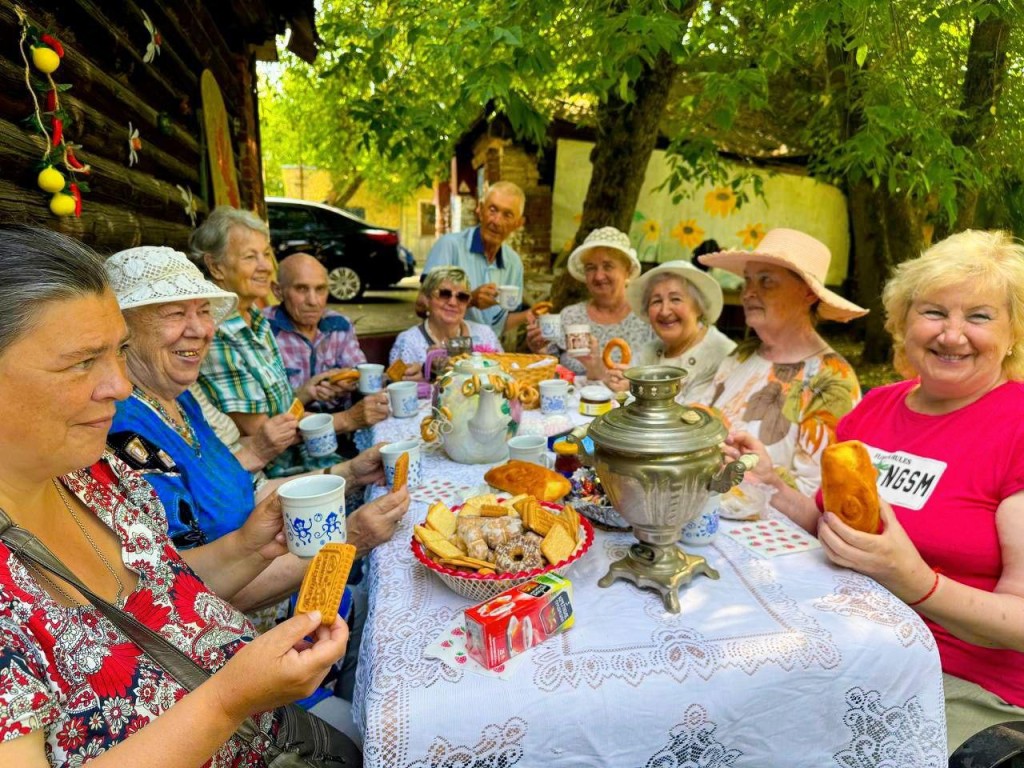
[[344, 284]]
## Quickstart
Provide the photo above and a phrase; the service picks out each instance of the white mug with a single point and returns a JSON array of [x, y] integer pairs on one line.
[[550, 325], [531, 448], [314, 513], [554, 395], [371, 377], [577, 339], [389, 455], [509, 297], [404, 401], [317, 431]]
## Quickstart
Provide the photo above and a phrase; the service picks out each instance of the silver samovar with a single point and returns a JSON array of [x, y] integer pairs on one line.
[[659, 462]]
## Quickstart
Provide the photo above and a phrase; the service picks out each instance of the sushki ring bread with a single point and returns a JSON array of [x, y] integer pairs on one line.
[[848, 485], [625, 355]]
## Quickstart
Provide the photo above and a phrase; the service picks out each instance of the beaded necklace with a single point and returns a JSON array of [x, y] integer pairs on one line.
[[184, 429]]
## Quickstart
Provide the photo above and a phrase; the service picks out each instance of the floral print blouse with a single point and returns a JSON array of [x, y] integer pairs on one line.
[[71, 673], [792, 408]]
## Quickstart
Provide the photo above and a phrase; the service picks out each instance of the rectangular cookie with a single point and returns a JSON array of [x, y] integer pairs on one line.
[[325, 580]]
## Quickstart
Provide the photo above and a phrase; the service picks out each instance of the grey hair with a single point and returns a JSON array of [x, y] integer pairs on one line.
[[438, 275], [691, 289], [211, 237], [38, 266]]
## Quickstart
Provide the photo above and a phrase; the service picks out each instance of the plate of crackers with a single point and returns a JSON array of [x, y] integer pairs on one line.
[[489, 543]]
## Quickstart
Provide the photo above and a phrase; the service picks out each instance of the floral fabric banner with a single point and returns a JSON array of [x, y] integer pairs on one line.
[[663, 231]]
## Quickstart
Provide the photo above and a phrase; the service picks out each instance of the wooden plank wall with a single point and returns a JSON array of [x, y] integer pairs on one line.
[[112, 85]]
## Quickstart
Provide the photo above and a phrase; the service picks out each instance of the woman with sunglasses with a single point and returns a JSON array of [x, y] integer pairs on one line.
[[445, 292]]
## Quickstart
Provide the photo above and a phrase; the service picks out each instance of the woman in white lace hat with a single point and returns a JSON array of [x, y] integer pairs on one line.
[[787, 386], [606, 262]]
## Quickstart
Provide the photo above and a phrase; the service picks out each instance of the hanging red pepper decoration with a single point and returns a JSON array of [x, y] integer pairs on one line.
[[51, 100], [54, 43], [58, 131], [73, 188], [74, 162]]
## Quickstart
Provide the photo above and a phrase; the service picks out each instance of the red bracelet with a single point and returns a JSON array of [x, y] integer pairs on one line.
[[930, 592]]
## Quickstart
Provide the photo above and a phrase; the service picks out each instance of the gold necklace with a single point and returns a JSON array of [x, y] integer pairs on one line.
[[88, 538]]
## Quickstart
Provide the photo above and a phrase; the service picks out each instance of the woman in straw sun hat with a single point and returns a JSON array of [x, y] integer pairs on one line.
[[606, 262], [787, 387], [682, 304]]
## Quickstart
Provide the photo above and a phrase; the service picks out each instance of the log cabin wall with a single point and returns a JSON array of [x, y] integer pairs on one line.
[[111, 85]]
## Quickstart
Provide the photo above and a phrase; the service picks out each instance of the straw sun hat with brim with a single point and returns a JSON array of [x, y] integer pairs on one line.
[[153, 274], [797, 252], [605, 237], [706, 285]]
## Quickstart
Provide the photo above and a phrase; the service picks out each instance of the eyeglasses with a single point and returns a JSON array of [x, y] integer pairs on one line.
[[447, 293]]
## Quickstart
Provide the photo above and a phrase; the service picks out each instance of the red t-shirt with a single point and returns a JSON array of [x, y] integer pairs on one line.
[[944, 477]]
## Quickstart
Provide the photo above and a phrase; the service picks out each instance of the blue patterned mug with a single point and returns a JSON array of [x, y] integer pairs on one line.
[[317, 431], [554, 396], [703, 529], [371, 377], [314, 513], [404, 399], [389, 455]]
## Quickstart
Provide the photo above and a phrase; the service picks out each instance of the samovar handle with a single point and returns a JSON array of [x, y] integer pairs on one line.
[[732, 473]]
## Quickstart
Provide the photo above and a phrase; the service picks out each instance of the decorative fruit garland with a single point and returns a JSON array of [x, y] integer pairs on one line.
[[46, 53]]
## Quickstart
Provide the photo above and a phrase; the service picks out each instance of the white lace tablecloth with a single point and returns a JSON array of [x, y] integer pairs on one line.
[[788, 661]]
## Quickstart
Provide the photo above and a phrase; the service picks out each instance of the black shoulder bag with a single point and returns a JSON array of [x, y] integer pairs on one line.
[[303, 740]]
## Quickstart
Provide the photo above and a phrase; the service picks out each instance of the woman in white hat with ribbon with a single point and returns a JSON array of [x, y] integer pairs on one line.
[[606, 262], [682, 304], [787, 387]]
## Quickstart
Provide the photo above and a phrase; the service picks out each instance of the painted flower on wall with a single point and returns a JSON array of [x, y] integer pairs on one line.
[[651, 230], [688, 233], [752, 235], [720, 201]]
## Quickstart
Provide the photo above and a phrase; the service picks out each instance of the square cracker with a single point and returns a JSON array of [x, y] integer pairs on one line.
[[441, 519], [557, 545]]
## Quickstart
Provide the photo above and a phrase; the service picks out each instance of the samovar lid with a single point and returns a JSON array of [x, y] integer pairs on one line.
[[654, 423]]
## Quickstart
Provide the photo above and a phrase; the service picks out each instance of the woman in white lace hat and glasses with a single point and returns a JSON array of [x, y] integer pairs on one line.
[[606, 263], [787, 386]]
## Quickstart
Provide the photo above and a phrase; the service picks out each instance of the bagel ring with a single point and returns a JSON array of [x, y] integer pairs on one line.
[[541, 308], [529, 396], [428, 430], [625, 355]]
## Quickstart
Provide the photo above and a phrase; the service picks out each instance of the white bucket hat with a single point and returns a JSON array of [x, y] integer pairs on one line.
[[152, 274], [705, 284], [800, 253], [605, 237]]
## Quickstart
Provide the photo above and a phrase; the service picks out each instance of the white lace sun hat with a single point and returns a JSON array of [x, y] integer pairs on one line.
[[604, 237], [152, 274]]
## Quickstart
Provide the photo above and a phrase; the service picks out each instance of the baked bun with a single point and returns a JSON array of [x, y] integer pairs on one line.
[[848, 485], [518, 477]]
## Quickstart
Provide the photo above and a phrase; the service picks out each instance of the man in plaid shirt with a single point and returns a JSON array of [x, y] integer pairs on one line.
[[311, 338]]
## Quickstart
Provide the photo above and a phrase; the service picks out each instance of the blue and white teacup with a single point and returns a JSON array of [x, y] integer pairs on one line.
[[404, 399], [703, 529], [317, 431], [389, 455], [314, 513], [554, 396], [371, 377]]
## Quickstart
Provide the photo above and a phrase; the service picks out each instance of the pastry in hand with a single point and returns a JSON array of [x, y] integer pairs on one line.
[[523, 477], [848, 485]]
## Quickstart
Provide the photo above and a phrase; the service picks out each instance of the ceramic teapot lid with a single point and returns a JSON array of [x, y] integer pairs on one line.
[[654, 423], [475, 363]]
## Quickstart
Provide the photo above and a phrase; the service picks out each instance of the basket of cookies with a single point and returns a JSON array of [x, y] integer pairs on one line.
[[489, 544]]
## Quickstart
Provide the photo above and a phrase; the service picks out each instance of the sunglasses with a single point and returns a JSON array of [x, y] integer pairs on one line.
[[447, 293]]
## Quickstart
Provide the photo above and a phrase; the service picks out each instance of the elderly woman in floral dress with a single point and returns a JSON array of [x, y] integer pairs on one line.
[[787, 386]]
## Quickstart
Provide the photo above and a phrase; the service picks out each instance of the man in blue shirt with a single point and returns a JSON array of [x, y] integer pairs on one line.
[[488, 262]]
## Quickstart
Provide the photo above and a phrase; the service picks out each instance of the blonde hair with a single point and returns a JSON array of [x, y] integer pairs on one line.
[[989, 261], [434, 278]]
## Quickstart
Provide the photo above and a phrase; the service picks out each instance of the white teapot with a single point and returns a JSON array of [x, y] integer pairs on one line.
[[476, 408]]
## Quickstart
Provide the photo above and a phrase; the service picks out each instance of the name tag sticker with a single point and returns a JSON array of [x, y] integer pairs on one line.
[[906, 480]]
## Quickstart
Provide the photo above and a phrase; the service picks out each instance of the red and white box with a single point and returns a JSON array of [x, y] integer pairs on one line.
[[518, 619]]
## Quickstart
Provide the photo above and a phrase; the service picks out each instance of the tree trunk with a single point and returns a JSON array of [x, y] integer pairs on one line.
[[627, 133]]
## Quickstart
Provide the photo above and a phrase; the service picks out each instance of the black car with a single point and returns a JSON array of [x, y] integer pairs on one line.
[[357, 255]]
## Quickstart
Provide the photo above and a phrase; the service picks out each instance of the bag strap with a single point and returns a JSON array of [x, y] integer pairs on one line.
[[174, 661]]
